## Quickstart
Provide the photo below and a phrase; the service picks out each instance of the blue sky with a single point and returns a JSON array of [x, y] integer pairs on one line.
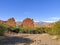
[[39, 10]]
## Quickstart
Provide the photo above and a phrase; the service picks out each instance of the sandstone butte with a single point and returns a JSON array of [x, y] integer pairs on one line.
[[10, 22], [27, 23]]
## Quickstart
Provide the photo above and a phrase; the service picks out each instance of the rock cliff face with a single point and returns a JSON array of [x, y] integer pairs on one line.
[[28, 23], [10, 22]]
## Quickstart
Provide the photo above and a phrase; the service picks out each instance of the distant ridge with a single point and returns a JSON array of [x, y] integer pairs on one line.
[[38, 24]]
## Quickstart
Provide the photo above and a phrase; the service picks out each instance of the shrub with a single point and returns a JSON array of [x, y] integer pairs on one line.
[[16, 30], [48, 30], [40, 30], [2, 29], [56, 28], [26, 30]]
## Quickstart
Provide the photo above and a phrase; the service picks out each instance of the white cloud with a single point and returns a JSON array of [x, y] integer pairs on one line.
[[52, 19], [49, 21]]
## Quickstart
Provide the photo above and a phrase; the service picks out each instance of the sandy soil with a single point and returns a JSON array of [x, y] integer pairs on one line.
[[29, 39]]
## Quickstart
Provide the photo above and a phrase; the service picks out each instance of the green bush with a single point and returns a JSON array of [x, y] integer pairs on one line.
[[49, 30], [56, 28], [25, 30], [32, 31], [16, 30], [2, 29]]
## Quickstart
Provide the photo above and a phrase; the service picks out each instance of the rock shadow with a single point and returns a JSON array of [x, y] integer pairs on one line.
[[15, 40]]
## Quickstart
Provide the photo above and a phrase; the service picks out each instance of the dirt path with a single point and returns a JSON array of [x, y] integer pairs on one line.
[[29, 39]]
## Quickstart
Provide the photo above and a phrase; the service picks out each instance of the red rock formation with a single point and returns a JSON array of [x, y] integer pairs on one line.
[[10, 22], [28, 23]]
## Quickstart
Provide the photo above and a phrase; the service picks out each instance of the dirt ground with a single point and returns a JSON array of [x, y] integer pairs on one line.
[[29, 39]]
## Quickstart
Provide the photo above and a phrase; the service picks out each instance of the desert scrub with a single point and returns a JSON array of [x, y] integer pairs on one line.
[[2, 29], [56, 28]]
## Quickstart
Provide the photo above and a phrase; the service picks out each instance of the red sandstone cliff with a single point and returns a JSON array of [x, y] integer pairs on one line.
[[10, 22], [28, 23]]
